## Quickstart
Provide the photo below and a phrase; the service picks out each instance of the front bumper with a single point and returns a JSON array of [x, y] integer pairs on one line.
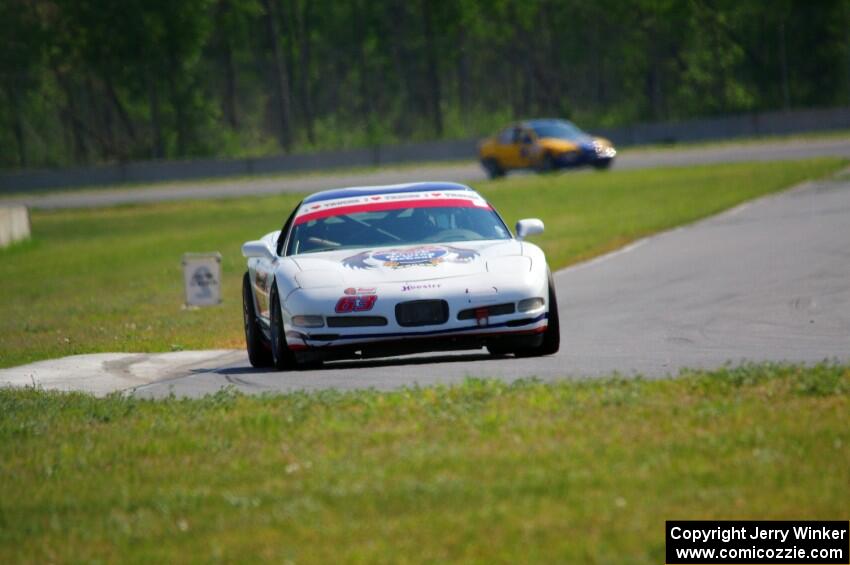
[[458, 332], [589, 155], [409, 344]]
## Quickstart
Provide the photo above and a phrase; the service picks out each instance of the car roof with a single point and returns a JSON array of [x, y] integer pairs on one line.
[[384, 189], [544, 122]]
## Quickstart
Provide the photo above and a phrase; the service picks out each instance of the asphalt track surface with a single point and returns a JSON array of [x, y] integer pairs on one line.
[[766, 281], [457, 172]]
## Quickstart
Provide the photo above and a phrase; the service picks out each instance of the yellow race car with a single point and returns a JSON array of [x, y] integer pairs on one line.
[[543, 145]]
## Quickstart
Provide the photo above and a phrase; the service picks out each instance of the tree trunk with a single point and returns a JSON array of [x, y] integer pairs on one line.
[[783, 63], [303, 26], [178, 102], [228, 95], [17, 125], [599, 66], [463, 91], [158, 149], [79, 149], [402, 62], [366, 103], [120, 109], [102, 120], [432, 73], [279, 80], [654, 92]]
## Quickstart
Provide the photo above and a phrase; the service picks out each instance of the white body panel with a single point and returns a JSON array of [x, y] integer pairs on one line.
[[466, 274]]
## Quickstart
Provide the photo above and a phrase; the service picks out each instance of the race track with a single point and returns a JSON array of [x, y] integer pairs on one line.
[[457, 172], [767, 281]]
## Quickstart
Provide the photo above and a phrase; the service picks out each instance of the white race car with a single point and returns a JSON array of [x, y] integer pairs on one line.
[[392, 270]]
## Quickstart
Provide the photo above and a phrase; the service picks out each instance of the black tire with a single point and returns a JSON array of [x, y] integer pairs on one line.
[[492, 168], [547, 164], [259, 353], [603, 165], [551, 337], [282, 358], [498, 350]]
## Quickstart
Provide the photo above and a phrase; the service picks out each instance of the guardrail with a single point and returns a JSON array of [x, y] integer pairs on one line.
[[730, 127], [744, 125]]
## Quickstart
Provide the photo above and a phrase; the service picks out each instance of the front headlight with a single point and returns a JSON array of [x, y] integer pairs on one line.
[[530, 304], [306, 321]]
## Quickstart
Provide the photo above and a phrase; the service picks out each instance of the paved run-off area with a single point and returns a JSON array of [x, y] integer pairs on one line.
[[766, 281]]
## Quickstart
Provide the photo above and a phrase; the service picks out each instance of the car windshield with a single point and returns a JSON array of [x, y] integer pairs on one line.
[[387, 222], [558, 129]]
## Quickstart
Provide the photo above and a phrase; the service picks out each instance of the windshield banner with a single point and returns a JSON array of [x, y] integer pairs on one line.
[[382, 202]]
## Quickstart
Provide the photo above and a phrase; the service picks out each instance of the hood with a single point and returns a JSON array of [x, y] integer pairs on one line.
[[371, 266]]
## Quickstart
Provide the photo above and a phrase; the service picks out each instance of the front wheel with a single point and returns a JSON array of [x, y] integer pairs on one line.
[[492, 168], [551, 337], [282, 358], [603, 165], [258, 350], [547, 164]]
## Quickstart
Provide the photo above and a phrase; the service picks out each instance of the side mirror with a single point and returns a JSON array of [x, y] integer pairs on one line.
[[528, 226], [257, 249]]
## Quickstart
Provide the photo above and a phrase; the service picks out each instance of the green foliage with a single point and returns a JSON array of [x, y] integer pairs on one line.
[[110, 280], [486, 471], [86, 81], [824, 380]]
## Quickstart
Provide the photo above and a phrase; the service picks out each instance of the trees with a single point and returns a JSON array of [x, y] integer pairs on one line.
[[21, 59], [96, 80]]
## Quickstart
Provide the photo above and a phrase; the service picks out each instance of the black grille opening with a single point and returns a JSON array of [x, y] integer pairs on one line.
[[324, 337], [422, 313], [355, 321], [496, 310], [521, 322]]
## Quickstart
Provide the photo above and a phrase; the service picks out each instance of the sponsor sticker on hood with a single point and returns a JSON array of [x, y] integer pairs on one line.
[[425, 255]]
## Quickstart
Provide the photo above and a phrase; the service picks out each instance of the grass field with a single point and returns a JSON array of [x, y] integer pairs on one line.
[[573, 472], [110, 279]]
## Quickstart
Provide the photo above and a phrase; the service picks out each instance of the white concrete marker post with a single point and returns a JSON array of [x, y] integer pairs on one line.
[[202, 278], [14, 224]]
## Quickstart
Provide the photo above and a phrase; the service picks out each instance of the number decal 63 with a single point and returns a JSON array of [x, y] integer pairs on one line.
[[355, 303]]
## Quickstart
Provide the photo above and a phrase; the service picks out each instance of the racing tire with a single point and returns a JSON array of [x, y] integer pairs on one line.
[[552, 336], [259, 353], [603, 165], [547, 164], [282, 357], [492, 168]]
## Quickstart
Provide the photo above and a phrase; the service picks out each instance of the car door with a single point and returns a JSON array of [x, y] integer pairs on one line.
[[520, 150], [507, 150], [528, 150]]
